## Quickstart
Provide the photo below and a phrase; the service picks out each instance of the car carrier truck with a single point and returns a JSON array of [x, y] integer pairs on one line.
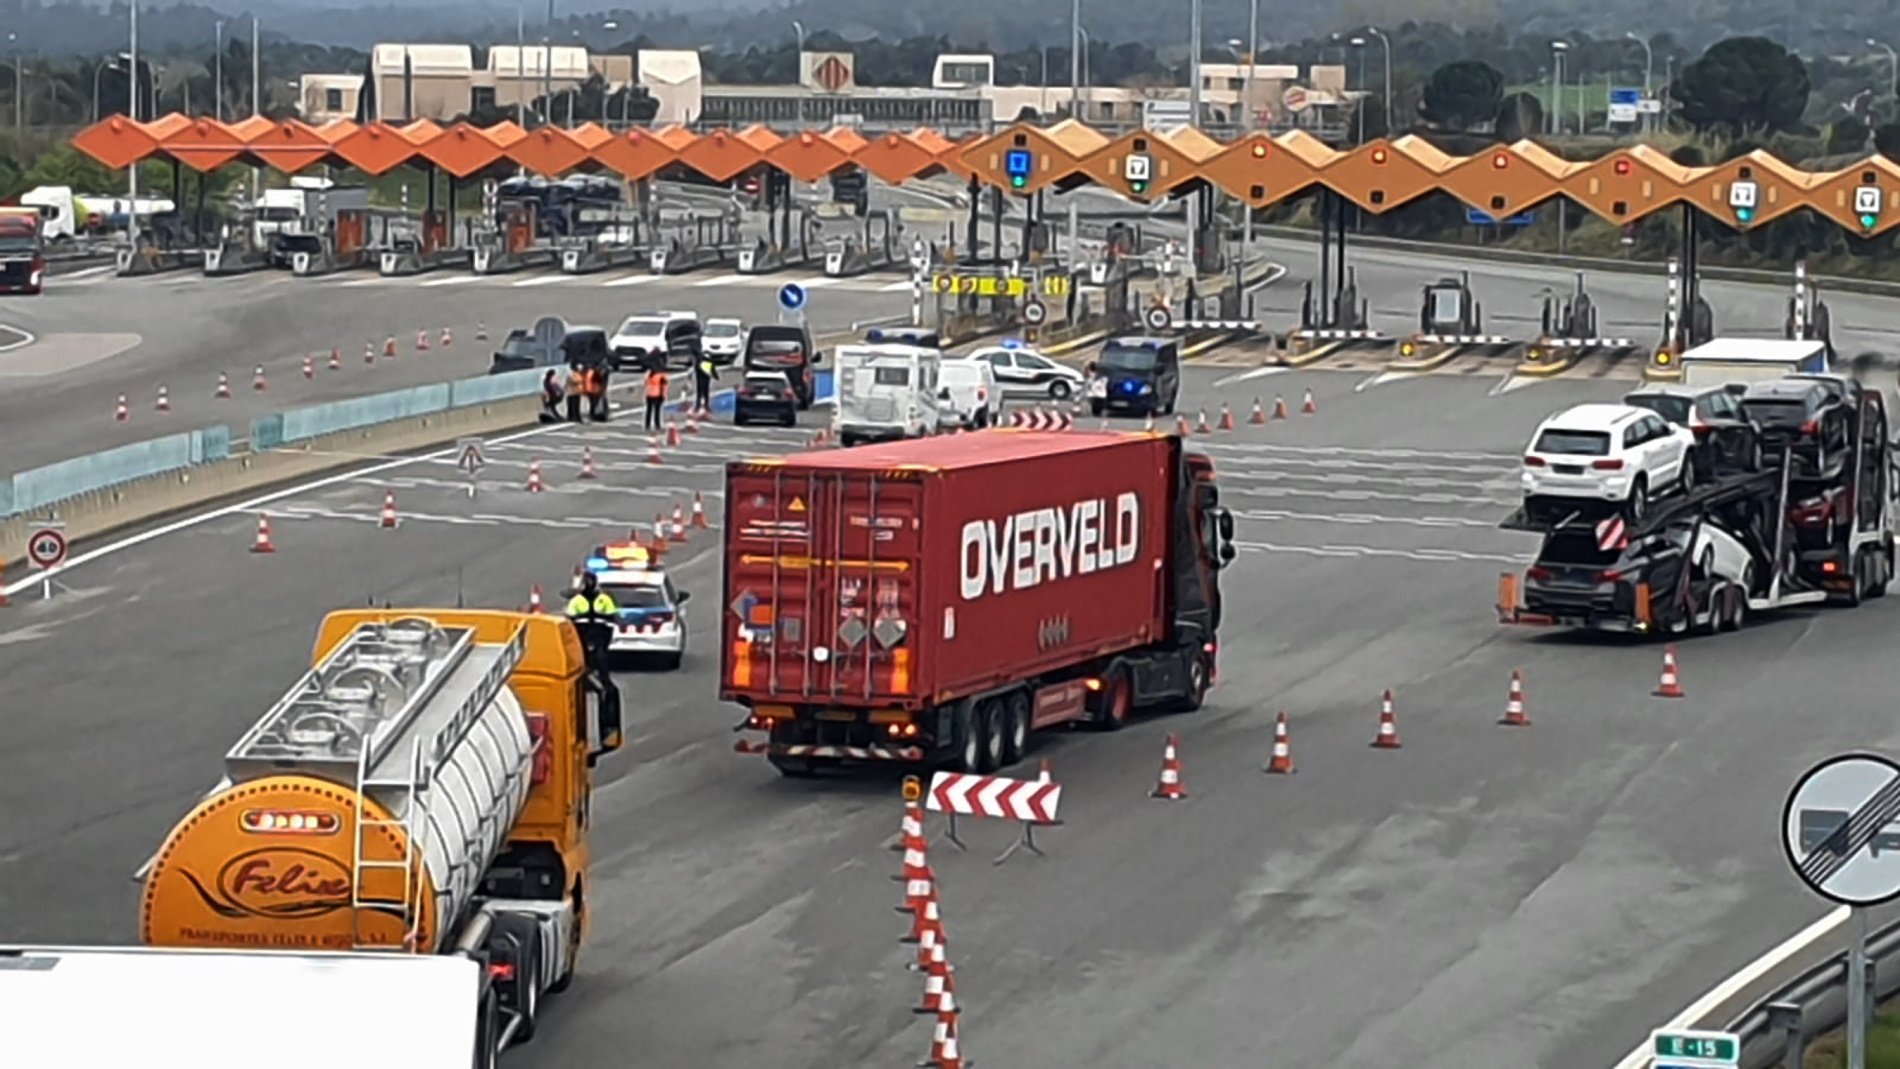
[[933, 602], [406, 826]]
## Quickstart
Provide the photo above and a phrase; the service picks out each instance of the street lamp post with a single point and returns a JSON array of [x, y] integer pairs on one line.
[[1556, 121], [1253, 44], [257, 92], [799, 29], [1893, 71], [132, 179], [217, 68], [1649, 69], [19, 83], [1385, 43], [1194, 63], [1075, 59]]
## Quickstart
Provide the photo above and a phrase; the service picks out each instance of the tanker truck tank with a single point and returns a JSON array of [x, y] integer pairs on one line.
[[362, 810]]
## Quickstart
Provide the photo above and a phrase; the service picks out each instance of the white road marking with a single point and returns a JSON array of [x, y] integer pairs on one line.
[[1256, 373], [1384, 377], [1216, 446], [87, 272], [26, 337], [734, 279], [1742, 978], [1365, 519], [452, 280], [541, 280], [1513, 383], [1433, 555], [631, 280]]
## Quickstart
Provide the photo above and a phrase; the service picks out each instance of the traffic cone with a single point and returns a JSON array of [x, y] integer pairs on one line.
[[1200, 424], [336, 358], [448, 337], [224, 386], [422, 341], [164, 402], [944, 1051], [1169, 788], [1514, 715], [389, 509], [1226, 417], [534, 598], [699, 512], [658, 545], [929, 918], [653, 449], [1181, 426], [258, 382], [931, 951], [679, 523], [1671, 685], [693, 418], [1282, 761], [1279, 407], [910, 828], [120, 412], [309, 368], [1258, 416], [1308, 406], [918, 878], [587, 463], [389, 347], [1044, 771], [263, 543], [481, 331], [672, 434], [369, 352], [940, 992], [1388, 736], [534, 477]]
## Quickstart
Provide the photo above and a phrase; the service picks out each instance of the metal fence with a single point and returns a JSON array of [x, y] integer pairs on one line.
[[38, 488]]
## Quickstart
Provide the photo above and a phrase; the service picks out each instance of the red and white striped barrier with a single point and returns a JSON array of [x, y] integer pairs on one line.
[[1039, 420], [1029, 801]]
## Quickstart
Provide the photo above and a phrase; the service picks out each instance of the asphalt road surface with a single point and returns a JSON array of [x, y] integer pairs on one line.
[[1485, 895]]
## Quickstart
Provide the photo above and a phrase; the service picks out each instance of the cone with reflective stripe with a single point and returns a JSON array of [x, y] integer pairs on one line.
[[121, 412], [658, 545], [930, 950], [336, 358], [693, 418], [1282, 761], [448, 338], [679, 523], [1388, 736], [389, 508], [653, 449], [1309, 406], [699, 512], [1259, 415], [164, 402], [1044, 772], [1181, 426], [535, 485], [263, 544], [1169, 787], [258, 382], [587, 463], [224, 386], [911, 829], [309, 367], [944, 1051], [929, 918], [1279, 407], [422, 341], [481, 331], [1148, 423], [1226, 417], [1671, 685], [369, 352], [534, 598], [1201, 425], [389, 346], [1514, 714], [940, 991], [672, 434]]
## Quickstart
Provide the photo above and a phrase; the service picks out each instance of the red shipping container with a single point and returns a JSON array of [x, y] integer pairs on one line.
[[909, 574]]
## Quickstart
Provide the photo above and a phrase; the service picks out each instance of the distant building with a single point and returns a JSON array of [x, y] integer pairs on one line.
[[442, 82], [674, 80], [325, 98]]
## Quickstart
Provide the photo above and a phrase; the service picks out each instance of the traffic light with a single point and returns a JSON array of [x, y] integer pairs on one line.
[[1138, 169], [1017, 163], [1867, 204], [1743, 196]]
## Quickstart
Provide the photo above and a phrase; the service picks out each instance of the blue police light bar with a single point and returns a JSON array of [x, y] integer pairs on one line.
[[598, 564], [1014, 343]]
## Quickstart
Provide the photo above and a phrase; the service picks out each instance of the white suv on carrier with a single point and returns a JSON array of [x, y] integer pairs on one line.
[[1606, 453]]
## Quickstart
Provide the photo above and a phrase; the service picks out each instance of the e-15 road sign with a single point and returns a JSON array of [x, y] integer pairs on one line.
[[1678, 1049]]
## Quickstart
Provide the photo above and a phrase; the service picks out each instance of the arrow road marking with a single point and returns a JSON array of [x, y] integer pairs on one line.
[[1826, 861]]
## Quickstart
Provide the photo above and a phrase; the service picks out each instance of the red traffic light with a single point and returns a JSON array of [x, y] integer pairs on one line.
[[1259, 151], [1622, 166], [1501, 160], [1378, 155]]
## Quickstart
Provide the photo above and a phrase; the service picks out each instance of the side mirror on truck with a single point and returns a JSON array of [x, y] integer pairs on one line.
[[1227, 553], [606, 709], [1224, 520]]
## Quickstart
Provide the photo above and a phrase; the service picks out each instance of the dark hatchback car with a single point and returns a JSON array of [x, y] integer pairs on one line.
[[785, 349], [1136, 376], [765, 396], [1576, 579], [580, 346], [1725, 441], [1807, 417]]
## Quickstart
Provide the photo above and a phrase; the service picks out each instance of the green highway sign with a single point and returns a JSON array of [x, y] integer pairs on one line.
[[1696, 1050]]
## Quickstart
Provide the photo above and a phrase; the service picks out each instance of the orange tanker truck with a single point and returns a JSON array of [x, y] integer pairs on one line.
[[410, 818]]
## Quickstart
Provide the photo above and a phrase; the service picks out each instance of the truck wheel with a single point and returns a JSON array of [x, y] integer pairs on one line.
[[1016, 737], [1114, 705], [969, 743], [1857, 585], [487, 1029], [562, 981], [1198, 682], [1883, 572], [990, 722]]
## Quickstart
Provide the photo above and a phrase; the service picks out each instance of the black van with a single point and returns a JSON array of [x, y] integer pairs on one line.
[[1137, 376], [582, 346], [786, 348]]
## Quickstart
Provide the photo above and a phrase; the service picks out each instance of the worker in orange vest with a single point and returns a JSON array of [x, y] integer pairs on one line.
[[576, 389], [656, 397]]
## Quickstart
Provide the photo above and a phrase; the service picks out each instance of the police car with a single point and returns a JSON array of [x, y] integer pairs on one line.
[[652, 619]]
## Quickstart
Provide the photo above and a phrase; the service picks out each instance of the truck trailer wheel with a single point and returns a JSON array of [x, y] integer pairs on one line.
[[566, 978], [1016, 737], [1199, 679], [968, 728], [991, 726]]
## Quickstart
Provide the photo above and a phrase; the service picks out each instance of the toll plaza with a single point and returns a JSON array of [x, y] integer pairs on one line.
[[1200, 287]]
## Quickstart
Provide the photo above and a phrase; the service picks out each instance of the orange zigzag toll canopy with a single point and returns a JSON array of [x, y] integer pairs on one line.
[[1626, 185]]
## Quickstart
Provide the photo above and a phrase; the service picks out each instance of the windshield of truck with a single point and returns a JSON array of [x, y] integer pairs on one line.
[[891, 376], [1672, 408], [642, 327], [19, 243], [279, 214], [1559, 442], [1128, 358]]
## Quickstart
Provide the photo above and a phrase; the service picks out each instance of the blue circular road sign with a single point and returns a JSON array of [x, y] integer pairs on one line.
[[791, 296]]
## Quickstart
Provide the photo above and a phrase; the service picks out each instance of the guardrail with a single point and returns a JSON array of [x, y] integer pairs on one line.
[[1777, 1028], [44, 488]]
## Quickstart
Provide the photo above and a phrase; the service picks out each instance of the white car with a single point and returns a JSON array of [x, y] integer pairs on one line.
[[968, 394], [722, 339], [669, 337], [1607, 453], [1025, 373], [652, 614]]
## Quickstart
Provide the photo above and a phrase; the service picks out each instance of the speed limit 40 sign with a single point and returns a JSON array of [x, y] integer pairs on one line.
[[46, 547]]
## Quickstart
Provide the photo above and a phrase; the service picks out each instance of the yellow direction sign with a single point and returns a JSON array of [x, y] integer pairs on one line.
[[999, 286]]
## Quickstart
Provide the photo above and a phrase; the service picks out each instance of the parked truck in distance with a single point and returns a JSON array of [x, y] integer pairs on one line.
[[288, 219], [422, 792], [22, 251], [933, 602]]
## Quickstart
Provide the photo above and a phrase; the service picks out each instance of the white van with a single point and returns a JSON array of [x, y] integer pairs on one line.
[[969, 395], [886, 392]]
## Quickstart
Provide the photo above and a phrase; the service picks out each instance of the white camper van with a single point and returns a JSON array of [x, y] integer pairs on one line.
[[886, 392]]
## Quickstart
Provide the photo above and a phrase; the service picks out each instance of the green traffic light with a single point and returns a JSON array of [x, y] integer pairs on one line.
[[1744, 214], [1138, 187], [1018, 181], [1868, 222]]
